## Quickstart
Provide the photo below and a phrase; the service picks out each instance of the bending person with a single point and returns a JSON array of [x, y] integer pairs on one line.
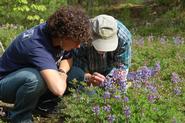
[[110, 47]]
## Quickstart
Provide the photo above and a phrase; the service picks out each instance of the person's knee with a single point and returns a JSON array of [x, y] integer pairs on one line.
[[34, 81], [76, 73]]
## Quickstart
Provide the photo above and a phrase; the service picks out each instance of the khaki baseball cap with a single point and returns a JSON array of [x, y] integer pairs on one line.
[[105, 33]]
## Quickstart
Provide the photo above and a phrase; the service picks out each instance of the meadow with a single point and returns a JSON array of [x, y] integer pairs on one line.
[[155, 94], [154, 91]]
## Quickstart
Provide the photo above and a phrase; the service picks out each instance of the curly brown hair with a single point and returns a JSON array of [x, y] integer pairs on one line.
[[70, 22]]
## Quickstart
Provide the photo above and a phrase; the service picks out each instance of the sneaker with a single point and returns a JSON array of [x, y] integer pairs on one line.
[[47, 108]]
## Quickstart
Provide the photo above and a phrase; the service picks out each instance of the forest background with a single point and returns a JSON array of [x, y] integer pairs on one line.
[[158, 30], [142, 17]]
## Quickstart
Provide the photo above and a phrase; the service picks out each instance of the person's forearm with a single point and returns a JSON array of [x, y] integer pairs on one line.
[[64, 83], [66, 64], [55, 80]]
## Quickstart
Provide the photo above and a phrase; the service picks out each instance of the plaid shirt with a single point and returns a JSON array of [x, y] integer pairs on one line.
[[87, 58]]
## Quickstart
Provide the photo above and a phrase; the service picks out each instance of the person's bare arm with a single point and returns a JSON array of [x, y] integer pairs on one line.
[[56, 81], [66, 64]]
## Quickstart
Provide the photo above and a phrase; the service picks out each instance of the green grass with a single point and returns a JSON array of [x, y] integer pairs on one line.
[[167, 108], [171, 57]]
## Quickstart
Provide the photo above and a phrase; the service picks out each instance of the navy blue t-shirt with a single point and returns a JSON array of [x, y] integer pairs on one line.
[[32, 48]]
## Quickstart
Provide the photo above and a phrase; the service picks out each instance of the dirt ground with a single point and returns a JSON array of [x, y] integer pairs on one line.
[[37, 118]]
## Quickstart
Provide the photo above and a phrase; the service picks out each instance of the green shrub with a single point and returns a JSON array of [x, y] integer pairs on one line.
[[8, 33], [27, 12]]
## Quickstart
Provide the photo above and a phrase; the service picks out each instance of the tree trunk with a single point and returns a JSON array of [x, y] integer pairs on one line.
[[90, 7]]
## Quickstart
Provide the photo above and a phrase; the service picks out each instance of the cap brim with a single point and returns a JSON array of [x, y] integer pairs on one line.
[[106, 45]]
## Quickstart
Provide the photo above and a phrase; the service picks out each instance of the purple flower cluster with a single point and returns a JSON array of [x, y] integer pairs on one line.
[[127, 111], [106, 95], [143, 74], [163, 39], [107, 108], [117, 96], [116, 81], [126, 99], [151, 88], [153, 93], [151, 98], [177, 91], [96, 109], [178, 40], [115, 88], [141, 78], [175, 78], [111, 118]]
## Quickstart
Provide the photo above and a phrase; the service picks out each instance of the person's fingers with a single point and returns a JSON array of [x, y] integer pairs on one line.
[[97, 78], [99, 75], [96, 82]]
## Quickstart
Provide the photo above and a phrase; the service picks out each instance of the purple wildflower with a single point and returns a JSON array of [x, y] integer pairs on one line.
[[143, 74], [138, 75], [119, 74], [152, 88], [108, 83], [126, 99], [175, 78], [127, 112], [122, 86], [96, 110], [117, 96], [151, 98], [131, 76], [107, 108], [106, 95], [178, 40], [111, 118], [177, 91], [117, 80], [146, 72]]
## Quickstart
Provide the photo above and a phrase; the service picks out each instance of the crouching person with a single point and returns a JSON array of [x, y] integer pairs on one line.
[[38, 60]]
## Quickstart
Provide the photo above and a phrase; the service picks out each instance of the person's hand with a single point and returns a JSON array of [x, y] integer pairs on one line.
[[95, 79]]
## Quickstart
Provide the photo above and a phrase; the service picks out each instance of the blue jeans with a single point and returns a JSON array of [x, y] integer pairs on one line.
[[75, 73], [23, 88]]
